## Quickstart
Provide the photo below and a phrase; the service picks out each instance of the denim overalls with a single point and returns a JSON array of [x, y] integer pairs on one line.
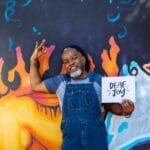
[[82, 126]]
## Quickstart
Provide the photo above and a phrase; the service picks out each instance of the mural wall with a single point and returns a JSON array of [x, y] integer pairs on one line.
[[115, 35]]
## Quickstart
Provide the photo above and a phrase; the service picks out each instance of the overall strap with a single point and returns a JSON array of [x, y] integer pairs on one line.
[[92, 77], [67, 78]]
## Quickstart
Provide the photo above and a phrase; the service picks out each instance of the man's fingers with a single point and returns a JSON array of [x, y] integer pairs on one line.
[[127, 103], [42, 43], [128, 107], [40, 47], [36, 44]]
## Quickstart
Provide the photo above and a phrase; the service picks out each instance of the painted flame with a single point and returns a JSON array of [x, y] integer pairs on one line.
[[109, 59], [35, 118], [3, 87]]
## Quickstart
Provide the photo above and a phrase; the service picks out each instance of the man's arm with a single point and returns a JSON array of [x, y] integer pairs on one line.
[[36, 82], [123, 109], [115, 108]]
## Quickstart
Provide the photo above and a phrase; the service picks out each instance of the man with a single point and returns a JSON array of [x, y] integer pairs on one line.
[[79, 96]]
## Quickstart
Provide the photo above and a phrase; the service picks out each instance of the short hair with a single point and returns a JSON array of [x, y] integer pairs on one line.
[[80, 50]]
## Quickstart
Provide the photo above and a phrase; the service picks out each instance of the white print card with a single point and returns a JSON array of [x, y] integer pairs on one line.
[[115, 89]]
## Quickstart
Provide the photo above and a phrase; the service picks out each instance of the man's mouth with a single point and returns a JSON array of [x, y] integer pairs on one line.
[[74, 68]]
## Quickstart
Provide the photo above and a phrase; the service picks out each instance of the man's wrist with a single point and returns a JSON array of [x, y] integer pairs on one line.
[[34, 62], [33, 59]]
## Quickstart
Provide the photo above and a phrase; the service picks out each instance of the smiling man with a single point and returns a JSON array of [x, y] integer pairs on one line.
[[79, 93]]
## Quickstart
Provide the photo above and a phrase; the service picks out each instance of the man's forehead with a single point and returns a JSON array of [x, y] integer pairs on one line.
[[70, 50]]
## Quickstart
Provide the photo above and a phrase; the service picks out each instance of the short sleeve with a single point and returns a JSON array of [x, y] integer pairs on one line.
[[53, 83]]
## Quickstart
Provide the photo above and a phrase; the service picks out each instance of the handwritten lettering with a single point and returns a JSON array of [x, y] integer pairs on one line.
[[117, 88]]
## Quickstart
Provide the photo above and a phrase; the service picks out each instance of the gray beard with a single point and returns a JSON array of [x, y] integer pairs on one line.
[[76, 73]]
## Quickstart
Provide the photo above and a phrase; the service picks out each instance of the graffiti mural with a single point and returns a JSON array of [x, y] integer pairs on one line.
[[115, 35]]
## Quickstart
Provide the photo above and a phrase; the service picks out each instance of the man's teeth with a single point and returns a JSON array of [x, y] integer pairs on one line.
[[73, 68]]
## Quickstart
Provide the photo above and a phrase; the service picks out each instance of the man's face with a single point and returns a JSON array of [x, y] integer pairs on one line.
[[72, 60]]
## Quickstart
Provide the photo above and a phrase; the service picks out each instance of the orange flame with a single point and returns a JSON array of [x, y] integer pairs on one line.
[[24, 87], [44, 59], [109, 60], [3, 87]]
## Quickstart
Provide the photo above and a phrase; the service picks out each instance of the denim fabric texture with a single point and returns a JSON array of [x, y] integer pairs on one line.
[[82, 125]]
